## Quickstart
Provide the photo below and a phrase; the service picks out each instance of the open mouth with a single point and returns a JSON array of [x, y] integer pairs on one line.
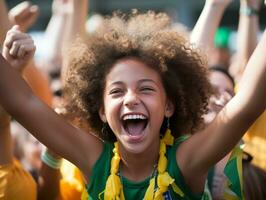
[[134, 124]]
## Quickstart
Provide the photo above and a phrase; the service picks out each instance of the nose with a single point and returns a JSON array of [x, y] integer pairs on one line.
[[131, 99]]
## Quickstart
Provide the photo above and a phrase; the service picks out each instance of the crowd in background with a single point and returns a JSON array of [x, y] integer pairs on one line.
[[25, 172]]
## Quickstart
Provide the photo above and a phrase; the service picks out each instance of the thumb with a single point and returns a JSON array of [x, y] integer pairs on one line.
[[16, 28]]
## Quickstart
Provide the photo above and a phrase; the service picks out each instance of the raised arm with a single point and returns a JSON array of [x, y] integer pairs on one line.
[[17, 98], [76, 22], [23, 14], [215, 141], [248, 29], [203, 32], [75, 27]]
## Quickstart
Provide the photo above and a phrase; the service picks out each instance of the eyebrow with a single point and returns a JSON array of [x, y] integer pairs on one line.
[[139, 82]]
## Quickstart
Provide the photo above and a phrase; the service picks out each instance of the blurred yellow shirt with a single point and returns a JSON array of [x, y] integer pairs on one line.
[[16, 183], [71, 184], [255, 141]]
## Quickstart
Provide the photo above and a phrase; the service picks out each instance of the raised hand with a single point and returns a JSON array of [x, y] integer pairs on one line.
[[18, 48], [24, 15]]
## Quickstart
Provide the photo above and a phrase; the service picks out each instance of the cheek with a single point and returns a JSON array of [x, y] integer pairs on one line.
[[112, 109]]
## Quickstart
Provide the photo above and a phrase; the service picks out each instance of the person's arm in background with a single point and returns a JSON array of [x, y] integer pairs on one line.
[[49, 180], [54, 36], [23, 14], [248, 28], [202, 35], [77, 21], [76, 26]]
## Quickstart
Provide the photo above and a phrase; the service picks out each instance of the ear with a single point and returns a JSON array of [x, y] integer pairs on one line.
[[102, 114], [169, 108]]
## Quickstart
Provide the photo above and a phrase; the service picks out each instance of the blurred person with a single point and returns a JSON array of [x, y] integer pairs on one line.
[[255, 138], [247, 39], [30, 147], [68, 17], [255, 179], [15, 181]]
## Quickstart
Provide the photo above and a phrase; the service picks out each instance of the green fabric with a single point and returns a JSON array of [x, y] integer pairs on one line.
[[133, 190], [233, 171], [221, 39]]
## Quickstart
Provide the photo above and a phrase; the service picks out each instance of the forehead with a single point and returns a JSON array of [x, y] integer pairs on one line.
[[221, 81], [131, 70]]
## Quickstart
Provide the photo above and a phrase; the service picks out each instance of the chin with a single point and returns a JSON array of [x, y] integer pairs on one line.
[[134, 148]]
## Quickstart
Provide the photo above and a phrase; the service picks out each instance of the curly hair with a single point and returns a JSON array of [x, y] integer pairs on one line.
[[149, 38]]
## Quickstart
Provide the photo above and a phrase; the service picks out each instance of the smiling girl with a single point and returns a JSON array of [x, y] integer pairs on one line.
[[135, 80]]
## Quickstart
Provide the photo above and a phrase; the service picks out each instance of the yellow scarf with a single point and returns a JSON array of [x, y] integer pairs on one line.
[[114, 189]]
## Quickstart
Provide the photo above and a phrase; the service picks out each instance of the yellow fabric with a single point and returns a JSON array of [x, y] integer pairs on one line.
[[71, 184], [149, 193], [16, 183], [114, 188], [84, 195], [255, 141]]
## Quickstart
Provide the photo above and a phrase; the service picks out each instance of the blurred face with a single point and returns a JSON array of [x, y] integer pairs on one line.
[[135, 105], [224, 91]]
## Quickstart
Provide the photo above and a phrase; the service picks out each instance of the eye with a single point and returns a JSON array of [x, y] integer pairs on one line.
[[115, 91], [147, 89]]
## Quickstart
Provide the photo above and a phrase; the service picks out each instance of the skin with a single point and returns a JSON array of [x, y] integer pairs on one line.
[[224, 89], [84, 149], [134, 88]]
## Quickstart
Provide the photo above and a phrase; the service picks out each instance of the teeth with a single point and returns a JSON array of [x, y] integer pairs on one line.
[[134, 117]]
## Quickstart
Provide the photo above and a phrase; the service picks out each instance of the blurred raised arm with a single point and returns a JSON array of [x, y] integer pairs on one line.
[[248, 28], [203, 32]]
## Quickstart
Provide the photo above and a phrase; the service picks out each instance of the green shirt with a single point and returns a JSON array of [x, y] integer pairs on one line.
[[135, 190]]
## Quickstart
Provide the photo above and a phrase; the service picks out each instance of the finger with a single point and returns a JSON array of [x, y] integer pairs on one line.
[[14, 48], [26, 48], [17, 44], [14, 34]]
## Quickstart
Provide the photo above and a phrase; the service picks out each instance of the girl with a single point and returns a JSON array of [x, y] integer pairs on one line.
[[135, 80]]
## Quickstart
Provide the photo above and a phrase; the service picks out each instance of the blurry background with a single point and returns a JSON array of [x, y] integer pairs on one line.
[[185, 11]]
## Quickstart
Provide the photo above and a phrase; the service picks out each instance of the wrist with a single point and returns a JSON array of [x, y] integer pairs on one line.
[[248, 11], [253, 4], [50, 160]]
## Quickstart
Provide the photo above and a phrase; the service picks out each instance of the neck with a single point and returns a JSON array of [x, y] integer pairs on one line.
[[137, 167]]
